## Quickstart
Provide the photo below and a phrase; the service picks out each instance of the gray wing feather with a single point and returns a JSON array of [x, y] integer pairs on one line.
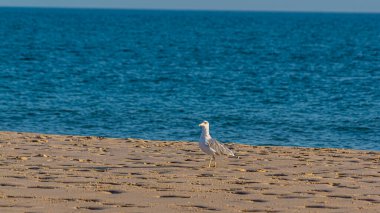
[[219, 148]]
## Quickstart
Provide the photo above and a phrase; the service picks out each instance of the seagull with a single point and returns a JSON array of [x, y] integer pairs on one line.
[[211, 146]]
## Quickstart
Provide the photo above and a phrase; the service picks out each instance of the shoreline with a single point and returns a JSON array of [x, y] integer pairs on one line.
[[184, 141], [64, 173]]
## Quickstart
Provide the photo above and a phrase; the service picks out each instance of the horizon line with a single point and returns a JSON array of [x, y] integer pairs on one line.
[[200, 10]]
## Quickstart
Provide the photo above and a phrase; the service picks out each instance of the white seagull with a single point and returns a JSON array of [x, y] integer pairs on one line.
[[211, 146]]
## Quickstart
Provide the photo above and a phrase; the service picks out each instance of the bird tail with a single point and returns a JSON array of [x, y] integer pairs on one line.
[[226, 150], [229, 152]]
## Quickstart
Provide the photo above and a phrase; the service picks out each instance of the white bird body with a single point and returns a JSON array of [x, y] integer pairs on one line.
[[211, 146], [204, 145]]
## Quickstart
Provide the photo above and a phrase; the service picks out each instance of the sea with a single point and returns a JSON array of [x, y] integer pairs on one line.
[[259, 78]]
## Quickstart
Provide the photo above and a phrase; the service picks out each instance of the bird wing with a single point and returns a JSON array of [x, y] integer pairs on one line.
[[219, 148]]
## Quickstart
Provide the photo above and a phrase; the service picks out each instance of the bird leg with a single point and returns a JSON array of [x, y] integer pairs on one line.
[[209, 164], [212, 158]]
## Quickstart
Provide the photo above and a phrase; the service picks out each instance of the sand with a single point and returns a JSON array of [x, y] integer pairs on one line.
[[53, 173]]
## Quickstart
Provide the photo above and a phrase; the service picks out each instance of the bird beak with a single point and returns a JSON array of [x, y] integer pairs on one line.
[[200, 124]]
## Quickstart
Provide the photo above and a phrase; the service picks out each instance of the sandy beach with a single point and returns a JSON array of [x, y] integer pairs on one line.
[[56, 173]]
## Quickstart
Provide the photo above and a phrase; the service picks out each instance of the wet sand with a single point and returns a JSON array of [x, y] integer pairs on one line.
[[56, 173]]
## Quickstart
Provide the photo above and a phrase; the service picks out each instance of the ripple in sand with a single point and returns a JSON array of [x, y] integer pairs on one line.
[[259, 210], [174, 196], [258, 201], [114, 191], [322, 190], [240, 192], [42, 187], [206, 175], [320, 207], [202, 207], [340, 196], [10, 184], [292, 197], [91, 208], [15, 176], [369, 200]]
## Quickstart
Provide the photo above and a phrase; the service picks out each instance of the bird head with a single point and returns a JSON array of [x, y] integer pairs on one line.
[[204, 124]]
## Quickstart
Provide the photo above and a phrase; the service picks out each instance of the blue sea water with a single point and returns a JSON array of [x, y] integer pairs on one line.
[[289, 79]]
